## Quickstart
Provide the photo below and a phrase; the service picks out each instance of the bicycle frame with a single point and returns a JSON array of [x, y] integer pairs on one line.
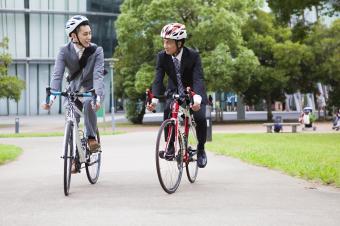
[[188, 120], [70, 117], [176, 110]]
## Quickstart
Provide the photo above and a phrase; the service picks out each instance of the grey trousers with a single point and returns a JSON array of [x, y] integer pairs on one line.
[[90, 117]]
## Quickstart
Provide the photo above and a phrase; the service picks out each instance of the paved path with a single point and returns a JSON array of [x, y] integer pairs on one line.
[[228, 192]]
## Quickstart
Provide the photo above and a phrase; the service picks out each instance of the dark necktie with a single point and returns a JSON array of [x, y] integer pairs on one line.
[[178, 76]]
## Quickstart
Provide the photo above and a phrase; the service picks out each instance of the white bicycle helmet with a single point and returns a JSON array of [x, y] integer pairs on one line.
[[73, 23], [175, 31]]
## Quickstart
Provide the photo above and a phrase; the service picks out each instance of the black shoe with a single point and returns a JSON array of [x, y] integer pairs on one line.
[[169, 154], [201, 159]]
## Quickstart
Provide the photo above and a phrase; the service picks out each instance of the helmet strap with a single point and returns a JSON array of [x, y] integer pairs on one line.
[[178, 48], [79, 42]]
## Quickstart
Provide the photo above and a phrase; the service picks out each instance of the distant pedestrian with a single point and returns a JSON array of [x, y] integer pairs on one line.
[[210, 101]]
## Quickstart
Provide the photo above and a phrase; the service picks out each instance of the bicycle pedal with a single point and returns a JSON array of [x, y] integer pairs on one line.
[[192, 152]]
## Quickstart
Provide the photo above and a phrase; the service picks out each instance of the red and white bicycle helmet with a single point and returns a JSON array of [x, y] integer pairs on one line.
[[175, 31], [73, 23]]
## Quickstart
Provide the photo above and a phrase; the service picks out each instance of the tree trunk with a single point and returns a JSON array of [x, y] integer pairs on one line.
[[7, 102], [241, 115], [269, 108], [317, 13]]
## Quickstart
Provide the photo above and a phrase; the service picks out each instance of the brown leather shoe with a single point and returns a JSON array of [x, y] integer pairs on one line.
[[73, 168], [93, 145]]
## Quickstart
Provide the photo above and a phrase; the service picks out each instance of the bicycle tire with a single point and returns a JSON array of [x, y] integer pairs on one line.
[[167, 167], [191, 163], [93, 163], [68, 157]]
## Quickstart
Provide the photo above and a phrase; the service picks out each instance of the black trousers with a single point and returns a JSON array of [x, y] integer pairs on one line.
[[200, 119]]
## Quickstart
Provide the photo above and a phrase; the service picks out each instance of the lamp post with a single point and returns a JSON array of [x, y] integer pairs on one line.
[[112, 98], [112, 94]]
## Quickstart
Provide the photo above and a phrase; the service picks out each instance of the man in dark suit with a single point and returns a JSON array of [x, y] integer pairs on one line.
[[183, 68]]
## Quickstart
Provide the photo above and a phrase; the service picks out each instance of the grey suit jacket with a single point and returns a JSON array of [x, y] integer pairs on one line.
[[92, 75]]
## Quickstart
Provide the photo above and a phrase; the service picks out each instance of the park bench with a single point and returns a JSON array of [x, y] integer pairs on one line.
[[270, 126]]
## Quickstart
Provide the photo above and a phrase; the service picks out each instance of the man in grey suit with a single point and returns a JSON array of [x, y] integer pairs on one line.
[[84, 62]]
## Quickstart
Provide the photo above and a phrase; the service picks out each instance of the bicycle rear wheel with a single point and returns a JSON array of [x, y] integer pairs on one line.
[[191, 160], [93, 163], [68, 156], [169, 171]]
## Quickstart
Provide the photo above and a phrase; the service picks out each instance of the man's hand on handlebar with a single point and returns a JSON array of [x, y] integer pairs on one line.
[[47, 106], [196, 107], [152, 106], [197, 99], [96, 106]]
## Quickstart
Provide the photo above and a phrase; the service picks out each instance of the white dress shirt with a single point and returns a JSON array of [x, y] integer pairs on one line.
[[79, 51]]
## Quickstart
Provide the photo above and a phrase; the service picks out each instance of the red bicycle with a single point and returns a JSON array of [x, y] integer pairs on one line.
[[179, 133]]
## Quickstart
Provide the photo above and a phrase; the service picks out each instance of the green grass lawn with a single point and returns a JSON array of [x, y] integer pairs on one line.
[[310, 156], [8, 152]]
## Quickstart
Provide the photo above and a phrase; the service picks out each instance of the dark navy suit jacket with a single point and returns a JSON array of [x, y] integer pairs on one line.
[[191, 73]]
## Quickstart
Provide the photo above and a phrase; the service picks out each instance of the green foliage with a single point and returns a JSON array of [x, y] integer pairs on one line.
[[5, 58], [312, 117], [214, 27], [244, 68], [135, 111], [284, 9], [316, 60], [267, 82], [225, 73], [300, 31], [294, 61], [144, 78], [325, 45], [218, 67], [243, 49], [10, 86]]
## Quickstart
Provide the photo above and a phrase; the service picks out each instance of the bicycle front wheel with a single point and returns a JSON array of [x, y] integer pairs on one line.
[[93, 162], [169, 170], [191, 155], [68, 157]]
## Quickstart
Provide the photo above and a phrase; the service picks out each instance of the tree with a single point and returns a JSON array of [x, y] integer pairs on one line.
[[10, 86], [214, 28], [325, 43], [294, 61], [262, 34], [284, 9]]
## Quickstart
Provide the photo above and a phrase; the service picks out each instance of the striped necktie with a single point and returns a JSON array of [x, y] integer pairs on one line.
[[178, 76]]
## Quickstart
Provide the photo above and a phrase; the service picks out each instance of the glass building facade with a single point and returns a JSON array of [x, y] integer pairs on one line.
[[35, 29]]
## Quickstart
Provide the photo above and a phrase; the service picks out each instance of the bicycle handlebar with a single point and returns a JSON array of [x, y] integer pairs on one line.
[[90, 93], [188, 96]]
